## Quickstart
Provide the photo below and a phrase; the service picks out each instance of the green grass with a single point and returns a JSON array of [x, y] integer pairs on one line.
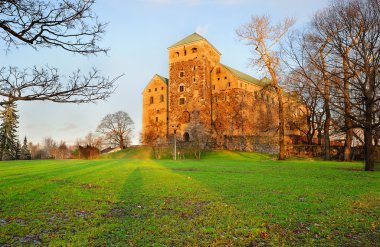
[[227, 198]]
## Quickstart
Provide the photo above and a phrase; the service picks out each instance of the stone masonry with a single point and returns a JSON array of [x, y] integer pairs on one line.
[[237, 109]]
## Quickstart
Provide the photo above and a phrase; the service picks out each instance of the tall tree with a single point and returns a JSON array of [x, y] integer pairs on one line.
[[70, 25], [116, 128], [25, 153], [8, 132], [313, 102], [349, 33], [264, 37]]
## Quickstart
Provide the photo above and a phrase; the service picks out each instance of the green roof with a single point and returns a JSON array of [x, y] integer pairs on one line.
[[191, 39], [165, 80], [244, 76]]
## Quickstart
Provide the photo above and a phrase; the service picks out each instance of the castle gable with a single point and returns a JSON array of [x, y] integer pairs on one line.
[[192, 38], [156, 81]]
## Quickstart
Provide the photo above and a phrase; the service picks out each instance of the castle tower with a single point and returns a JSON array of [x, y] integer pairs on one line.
[[191, 62]]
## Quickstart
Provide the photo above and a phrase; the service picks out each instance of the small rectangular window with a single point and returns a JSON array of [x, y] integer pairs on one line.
[[155, 89], [156, 119], [181, 101], [181, 74], [213, 87], [149, 90], [229, 84], [181, 88]]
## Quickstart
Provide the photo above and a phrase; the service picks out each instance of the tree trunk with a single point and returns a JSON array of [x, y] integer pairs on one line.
[[368, 150], [326, 130], [348, 141], [326, 106], [347, 111], [281, 118], [121, 143]]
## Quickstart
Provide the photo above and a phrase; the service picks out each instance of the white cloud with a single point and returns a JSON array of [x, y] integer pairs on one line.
[[202, 29]]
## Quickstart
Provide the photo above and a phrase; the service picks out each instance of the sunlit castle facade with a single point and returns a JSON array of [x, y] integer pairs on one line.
[[234, 107]]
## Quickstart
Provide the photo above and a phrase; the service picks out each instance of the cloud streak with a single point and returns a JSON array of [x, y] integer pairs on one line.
[[193, 2]]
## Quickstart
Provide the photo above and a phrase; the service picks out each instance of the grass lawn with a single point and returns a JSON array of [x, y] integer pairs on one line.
[[228, 198]]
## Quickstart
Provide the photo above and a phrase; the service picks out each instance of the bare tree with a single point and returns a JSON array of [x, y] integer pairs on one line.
[[348, 31], [309, 55], [264, 38], [116, 128], [313, 102], [199, 137], [63, 151], [67, 24], [154, 137], [50, 148], [93, 140]]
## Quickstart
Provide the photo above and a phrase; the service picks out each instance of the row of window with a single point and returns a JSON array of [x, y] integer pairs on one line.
[[151, 99], [155, 89], [268, 99], [182, 73], [213, 86], [193, 50]]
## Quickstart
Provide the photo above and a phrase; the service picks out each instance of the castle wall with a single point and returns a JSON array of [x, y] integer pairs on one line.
[[190, 86], [233, 107], [155, 100]]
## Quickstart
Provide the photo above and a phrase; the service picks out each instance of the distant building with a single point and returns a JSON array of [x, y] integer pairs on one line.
[[236, 108]]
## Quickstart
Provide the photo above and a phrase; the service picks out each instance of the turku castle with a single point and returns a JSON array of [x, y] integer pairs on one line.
[[236, 109]]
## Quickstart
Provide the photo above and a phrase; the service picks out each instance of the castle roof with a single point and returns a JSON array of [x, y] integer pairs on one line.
[[164, 79], [192, 38], [245, 77]]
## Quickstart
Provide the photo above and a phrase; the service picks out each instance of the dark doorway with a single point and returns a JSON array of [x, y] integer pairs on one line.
[[186, 137]]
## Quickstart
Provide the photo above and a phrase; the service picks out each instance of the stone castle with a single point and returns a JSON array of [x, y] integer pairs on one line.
[[237, 110]]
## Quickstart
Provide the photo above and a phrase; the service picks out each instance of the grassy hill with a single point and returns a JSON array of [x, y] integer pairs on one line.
[[227, 198]]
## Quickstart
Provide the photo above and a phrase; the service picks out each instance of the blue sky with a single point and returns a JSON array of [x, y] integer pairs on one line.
[[139, 33]]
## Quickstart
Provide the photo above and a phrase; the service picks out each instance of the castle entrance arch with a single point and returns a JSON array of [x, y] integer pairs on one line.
[[186, 137]]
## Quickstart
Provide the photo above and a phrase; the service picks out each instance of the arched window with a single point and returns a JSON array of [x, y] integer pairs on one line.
[[186, 137], [177, 54], [186, 116], [162, 98], [151, 100]]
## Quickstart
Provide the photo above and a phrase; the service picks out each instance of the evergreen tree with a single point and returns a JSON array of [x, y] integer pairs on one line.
[[25, 153], [8, 131], [17, 150]]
